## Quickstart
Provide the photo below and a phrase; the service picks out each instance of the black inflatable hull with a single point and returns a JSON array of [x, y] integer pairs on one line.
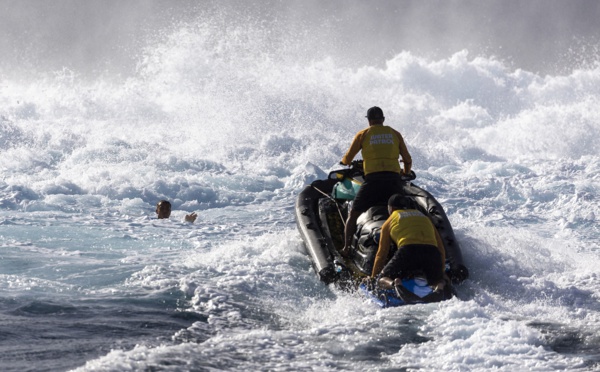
[[319, 246], [330, 266]]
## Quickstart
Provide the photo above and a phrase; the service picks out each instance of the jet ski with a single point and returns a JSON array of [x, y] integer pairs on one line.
[[321, 211]]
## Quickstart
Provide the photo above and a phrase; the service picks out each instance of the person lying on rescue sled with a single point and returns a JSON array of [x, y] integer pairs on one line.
[[420, 247]]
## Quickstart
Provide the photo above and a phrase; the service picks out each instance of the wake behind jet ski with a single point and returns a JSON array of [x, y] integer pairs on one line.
[[322, 208]]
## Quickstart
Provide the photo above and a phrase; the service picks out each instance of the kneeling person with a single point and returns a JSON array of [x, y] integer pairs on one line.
[[420, 246]]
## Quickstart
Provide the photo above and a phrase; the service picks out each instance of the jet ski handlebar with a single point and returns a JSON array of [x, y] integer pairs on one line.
[[408, 177], [356, 169]]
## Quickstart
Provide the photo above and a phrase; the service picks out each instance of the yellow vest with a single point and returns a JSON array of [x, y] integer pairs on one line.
[[411, 227], [381, 150]]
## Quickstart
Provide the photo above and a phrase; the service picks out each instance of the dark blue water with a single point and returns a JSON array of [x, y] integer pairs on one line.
[[231, 120]]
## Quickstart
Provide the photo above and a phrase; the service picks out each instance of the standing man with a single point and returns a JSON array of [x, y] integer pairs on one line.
[[381, 146]]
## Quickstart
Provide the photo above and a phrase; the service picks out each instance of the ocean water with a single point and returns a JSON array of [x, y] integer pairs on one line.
[[232, 120]]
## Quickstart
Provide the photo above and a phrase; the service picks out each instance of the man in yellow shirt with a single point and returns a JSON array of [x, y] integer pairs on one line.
[[420, 246], [381, 146]]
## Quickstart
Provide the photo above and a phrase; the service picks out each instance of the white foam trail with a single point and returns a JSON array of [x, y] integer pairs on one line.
[[221, 121]]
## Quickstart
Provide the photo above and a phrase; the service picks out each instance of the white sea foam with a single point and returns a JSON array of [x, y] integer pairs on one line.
[[219, 121]]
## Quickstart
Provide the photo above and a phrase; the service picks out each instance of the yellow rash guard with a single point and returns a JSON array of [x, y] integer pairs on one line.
[[381, 146], [406, 227]]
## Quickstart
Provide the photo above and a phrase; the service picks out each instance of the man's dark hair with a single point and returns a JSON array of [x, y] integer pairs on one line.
[[375, 113], [401, 202], [166, 202]]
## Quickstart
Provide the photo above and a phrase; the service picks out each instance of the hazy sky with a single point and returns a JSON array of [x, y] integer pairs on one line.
[[92, 36]]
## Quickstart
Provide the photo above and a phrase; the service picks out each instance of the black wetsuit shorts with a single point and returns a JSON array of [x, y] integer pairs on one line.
[[376, 190], [413, 258]]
